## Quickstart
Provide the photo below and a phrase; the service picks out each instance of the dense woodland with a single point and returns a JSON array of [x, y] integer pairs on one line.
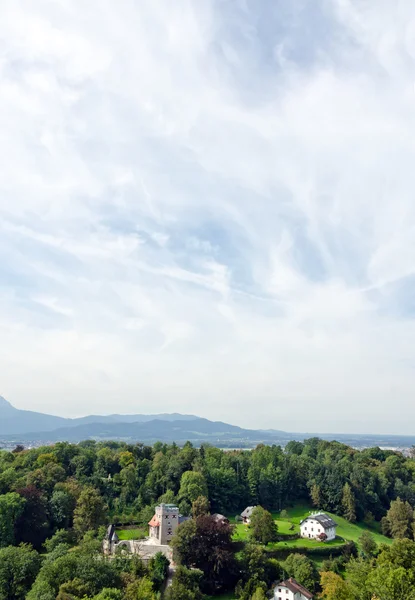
[[56, 500]]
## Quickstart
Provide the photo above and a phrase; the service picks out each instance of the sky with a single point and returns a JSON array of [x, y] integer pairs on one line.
[[209, 207]]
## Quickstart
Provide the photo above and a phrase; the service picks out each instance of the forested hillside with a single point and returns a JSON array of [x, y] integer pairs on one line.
[[54, 500]]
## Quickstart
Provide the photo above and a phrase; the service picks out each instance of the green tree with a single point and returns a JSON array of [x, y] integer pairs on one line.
[[19, 567], [60, 537], [140, 590], [192, 485], [11, 507], [84, 566], [206, 544], [182, 542], [90, 511], [257, 569], [109, 594], [158, 568], [333, 587], [357, 572], [263, 528], [399, 554], [367, 543], [302, 569], [73, 589], [349, 503], [32, 525], [200, 506], [385, 526], [185, 584], [400, 517], [62, 505], [259, 594], [315, 494], [126, 459], [387, 582]]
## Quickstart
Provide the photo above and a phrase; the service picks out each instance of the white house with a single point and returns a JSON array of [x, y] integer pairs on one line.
[[317, 524], [247, 514], [290, 589]]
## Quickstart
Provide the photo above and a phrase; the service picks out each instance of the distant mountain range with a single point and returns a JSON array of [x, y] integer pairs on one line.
[[24, 425], [14, 420], [28, 427]]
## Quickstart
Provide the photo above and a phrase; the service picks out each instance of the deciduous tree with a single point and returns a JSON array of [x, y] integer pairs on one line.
[[90, 511], [334, 587], [200, 506], [11, 507], [302, 569], [206, 544], [263, 528], [192, 485], [19, 567]]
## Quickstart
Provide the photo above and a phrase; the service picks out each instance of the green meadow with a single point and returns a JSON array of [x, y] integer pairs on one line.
[[291, 524]]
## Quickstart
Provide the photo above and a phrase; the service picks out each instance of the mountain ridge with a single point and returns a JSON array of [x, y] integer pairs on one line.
[[17, 421], [196, 430]]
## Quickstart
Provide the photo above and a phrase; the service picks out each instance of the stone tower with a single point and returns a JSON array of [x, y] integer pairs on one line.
[[164, 523]]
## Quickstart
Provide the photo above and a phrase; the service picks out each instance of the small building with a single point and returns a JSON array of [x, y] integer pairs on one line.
[[110, 540], [290, 589], [111, 534], [318, 526], [220, 518], [247, 514]]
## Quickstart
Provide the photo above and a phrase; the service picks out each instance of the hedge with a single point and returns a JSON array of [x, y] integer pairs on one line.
[[287, 537]]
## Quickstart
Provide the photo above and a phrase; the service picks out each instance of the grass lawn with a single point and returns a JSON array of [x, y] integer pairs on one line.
[[228, 596], [305, 543], [131, 534], [347, 531]]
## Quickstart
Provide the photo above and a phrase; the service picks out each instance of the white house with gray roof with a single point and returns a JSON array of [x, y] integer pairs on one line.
[[247, 514], [290, 589], [317, 524]]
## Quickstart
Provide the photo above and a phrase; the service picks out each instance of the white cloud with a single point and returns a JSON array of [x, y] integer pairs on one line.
[[210, 211]]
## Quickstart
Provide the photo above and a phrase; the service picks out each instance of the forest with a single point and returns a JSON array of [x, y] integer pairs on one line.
[[56, 501]]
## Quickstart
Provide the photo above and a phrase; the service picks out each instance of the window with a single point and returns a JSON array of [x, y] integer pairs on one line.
[[305, 528], [279, 589]]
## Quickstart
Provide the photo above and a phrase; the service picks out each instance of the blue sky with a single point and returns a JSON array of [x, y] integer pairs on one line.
[[208, 207]]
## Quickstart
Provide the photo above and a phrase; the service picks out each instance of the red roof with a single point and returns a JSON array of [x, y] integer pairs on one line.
[[154, 522], [294, 587]]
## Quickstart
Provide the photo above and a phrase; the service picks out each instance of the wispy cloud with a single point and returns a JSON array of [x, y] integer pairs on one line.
[[208, 207]]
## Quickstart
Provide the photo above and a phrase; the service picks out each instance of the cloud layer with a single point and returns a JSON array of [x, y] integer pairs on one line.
[[208, 207]]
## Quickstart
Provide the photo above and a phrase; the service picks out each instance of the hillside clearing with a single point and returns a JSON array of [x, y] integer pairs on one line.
[[345, 530]]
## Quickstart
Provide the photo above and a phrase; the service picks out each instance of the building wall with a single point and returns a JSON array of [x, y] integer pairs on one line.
[[286, 594], [168, 516], [143, 548], [154, 532]]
